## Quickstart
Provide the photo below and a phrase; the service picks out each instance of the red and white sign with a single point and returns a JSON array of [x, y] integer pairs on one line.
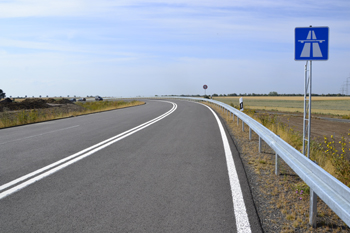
[[205, 87]]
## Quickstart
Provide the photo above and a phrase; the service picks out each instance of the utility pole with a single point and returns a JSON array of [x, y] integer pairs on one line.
[[347, 85]]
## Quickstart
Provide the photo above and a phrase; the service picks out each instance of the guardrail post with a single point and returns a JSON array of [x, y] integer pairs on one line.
[[242, 125], [250, 133], [259, 144], [313, 208], [277, 165]]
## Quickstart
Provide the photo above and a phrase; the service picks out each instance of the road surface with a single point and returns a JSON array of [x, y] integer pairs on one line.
[[166, 166]]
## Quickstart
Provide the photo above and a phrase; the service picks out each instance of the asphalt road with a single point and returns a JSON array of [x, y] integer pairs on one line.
[[159, 167]]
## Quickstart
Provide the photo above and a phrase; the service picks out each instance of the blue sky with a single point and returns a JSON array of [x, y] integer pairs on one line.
[[147, 48]]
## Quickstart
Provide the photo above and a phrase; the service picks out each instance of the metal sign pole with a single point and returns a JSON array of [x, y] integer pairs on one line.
[[304, 115], [309, 121], [307, 110]]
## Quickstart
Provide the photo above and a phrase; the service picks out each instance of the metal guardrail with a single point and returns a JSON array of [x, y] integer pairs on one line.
[[334, 193]]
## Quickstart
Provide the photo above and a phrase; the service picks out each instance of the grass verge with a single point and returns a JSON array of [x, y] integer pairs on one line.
[[331, 155], [282, 201], [22, 117]]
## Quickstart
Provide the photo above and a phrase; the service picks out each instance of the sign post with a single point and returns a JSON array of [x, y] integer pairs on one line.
[[205, 87], [311, 43]]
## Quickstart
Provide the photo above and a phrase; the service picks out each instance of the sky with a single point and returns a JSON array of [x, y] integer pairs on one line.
[[130, 48]]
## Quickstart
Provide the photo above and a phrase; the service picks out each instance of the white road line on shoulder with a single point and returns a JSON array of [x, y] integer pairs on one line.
[[54, 167], [241, 215], [37, 135]]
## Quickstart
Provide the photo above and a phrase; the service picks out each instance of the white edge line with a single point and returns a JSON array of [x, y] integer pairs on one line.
[[241, 215], [98, 147]]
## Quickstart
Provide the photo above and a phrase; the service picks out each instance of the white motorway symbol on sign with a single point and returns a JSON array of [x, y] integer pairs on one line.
[[318, 37]]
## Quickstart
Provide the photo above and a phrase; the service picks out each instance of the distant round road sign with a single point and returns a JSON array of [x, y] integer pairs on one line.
[[205, 87]]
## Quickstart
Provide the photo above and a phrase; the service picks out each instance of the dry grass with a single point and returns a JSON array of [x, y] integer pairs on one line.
[[22, 117]]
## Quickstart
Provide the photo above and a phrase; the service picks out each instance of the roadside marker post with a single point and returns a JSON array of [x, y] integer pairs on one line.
[[241, 104], [310, 44]]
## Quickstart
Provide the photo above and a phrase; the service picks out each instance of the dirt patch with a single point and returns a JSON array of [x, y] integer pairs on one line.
[[50, 101], [321, 125], [7, 100], [35, 103], [63, 101]]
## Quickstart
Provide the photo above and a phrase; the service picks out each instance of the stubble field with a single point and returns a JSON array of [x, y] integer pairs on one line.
[[320, 104]]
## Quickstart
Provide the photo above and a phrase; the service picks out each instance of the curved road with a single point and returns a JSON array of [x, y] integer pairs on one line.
[[160, 167]]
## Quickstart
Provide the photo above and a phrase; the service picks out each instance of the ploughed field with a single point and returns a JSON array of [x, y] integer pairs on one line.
[[330, 115], [320, 104]]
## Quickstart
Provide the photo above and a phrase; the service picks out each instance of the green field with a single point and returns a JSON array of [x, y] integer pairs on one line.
[[323, 105]]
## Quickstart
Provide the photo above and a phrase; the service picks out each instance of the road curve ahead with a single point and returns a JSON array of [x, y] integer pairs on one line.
[[166, 166]]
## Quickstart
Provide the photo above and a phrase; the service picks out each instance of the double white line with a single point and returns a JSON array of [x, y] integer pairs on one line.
[[54, 167]]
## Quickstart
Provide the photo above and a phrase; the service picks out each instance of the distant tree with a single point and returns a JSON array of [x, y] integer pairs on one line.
[[2, 94], [215, 95], [273, 93]]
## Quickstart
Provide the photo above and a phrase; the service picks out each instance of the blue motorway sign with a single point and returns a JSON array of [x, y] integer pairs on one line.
[[311, 43]]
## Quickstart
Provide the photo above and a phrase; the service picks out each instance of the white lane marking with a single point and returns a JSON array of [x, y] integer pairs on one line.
[[37, 135], [76, 157], [241, 215]]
